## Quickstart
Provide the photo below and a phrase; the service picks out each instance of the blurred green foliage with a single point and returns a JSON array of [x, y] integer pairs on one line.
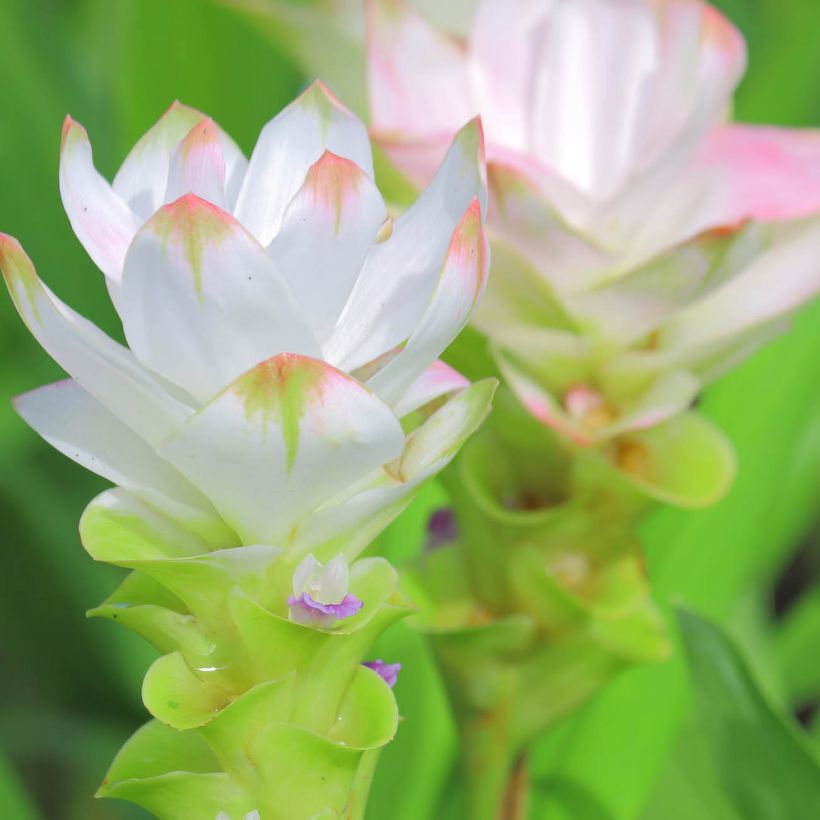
[[69, 692]]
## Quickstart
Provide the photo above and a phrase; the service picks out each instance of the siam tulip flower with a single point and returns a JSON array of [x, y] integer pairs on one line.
[[279, 402], [642, 244], [320, 593], [280, 325]]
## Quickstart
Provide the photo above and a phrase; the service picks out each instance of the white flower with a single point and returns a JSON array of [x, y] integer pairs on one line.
[[625, 264], [279, 324]]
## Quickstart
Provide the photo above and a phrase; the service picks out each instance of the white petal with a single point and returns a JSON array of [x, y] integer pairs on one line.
[[589, 108], [522, 212], [327, 231], [452, 304], [701, 58], [672, 393], [288, 145], [108, 371], [776, 283], [203, 302], [281, 440], [198, 166], [539, 402], [759, 173], [306, 571], [502, 50], [77, 425], [335, 580], [102, 221], [643, 299], [417, 76], [400, 274], [438, 380], [361, 512], [142, 180]]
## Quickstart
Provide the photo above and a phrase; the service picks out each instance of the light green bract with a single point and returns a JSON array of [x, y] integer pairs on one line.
[[251, 710], [279, 403]]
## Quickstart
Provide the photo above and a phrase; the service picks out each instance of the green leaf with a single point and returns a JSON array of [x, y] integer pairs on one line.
[[13, 799], [689, 787], [795, 647], [766, 768]]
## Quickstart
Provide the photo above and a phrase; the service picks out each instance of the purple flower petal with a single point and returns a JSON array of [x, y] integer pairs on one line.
[[441, 528], [305, 610], [389, 672]]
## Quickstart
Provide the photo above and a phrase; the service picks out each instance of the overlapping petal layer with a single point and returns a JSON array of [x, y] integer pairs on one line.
[[248, 292], [642, 245]]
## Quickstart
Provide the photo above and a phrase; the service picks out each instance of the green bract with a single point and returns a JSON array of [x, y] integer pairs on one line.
[[251, 710]]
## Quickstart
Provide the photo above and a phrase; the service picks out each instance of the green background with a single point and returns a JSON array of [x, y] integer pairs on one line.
[[661, 743]]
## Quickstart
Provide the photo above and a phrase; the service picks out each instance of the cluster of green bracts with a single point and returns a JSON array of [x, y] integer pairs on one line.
[[252, 712], [542, 598]]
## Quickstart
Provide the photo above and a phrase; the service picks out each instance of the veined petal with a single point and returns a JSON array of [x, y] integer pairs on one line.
[[672, 393], [198, 166], [557, 359], [643, 299], [776, 283], [288, 145], [702, 57], [143, 177], [760, 173], [108, 371], [142, 180], [400, 274], [203, 302], [100, 218], [282, 439], [438, 380], [430, 448], [77, 425], [327, 231], [417, 75], [517, 294], [523, 214], [417, 159], [539, 402], [359, 513], [588, 103], [502, 73], [452, 304]]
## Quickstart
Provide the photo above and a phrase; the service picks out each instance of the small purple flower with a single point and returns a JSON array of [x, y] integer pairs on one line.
[[441, 528], [320, 597], [305, 610], [389, 672]]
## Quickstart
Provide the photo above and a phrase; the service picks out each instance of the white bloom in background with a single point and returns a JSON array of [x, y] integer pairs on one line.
[[642, 243], [279, 323]]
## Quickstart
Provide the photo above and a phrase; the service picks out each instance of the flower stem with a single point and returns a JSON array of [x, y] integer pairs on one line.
[[496, 770], [516, 803]]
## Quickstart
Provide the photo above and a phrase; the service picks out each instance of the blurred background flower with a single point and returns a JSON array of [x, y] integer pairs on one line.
[[69, 693]]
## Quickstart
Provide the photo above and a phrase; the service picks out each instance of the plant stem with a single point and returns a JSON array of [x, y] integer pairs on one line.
[[515, 805], [496, 772]]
